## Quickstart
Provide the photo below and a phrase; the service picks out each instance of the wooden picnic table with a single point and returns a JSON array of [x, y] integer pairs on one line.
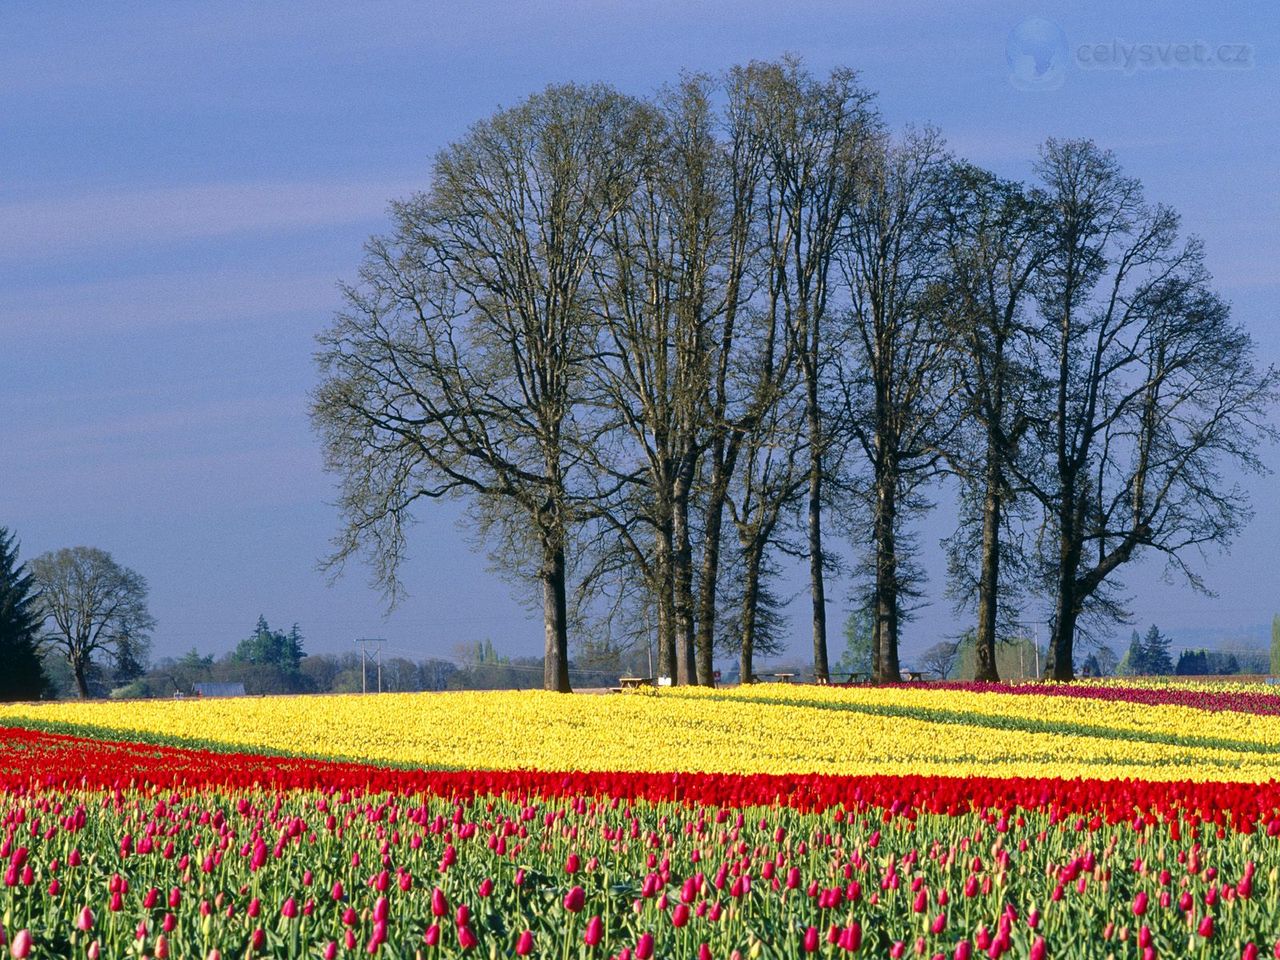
[[634, 683], [784, 677], [914, 676]]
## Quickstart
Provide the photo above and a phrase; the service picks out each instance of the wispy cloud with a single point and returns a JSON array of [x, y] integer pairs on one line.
[[161, 300], [51, 227]]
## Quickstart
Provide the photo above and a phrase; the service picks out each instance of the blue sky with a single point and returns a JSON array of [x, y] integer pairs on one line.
[[183, 184]]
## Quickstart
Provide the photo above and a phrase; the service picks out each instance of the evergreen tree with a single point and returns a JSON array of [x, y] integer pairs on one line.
[[1275, 645], [1155, 649], [271, 647], [22, 677], [1134, 663], [1192, 663]]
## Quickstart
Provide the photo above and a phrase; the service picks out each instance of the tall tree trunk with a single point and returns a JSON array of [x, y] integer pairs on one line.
[[666, 609], [750, 605], [1060, 665], [79, 668], [713, 519], [682, 586], [989, 576], [555, 617], [887, 669], [821, 671]]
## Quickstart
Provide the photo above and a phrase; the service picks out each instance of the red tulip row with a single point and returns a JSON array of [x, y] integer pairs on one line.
[[31, 758]]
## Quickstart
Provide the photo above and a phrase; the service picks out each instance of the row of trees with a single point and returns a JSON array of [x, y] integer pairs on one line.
[[656, 344]]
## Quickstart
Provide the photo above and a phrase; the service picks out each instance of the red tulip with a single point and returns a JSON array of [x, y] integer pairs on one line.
[[466, 939], [1140, 903], [524, 943], [680, 915], [85, 920], [594, 931], [644, 947], [811, 940], [575, 899]]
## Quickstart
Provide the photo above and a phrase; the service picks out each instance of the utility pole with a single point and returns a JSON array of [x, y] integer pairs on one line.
[[363, 643]]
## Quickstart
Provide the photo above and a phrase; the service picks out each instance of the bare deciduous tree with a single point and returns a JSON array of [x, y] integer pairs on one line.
[[816, 136], [456, 368], [993, 247], [899, 389], [1154, 386], [93, 604]]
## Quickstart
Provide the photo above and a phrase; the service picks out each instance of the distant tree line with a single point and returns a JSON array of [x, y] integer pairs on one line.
[[654, 345]]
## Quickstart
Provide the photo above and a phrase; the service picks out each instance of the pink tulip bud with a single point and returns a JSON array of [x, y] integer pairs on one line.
[[289, 908], [594, 932], [524, 944], [85, 920], [432, 937], [439, 905], [644, 947], [462, 916], [162, 947], [466, 939], [94, 951], [1140, 903], [331, 950], [811, 940], [1205, 929], [486, 887], [680, 915], [21, 945], [575, 899]]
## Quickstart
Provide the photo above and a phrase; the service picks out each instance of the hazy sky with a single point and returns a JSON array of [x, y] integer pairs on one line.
[[182, 184]]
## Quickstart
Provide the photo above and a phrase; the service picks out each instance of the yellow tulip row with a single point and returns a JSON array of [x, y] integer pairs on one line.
[[762, 729], [1029, 710]]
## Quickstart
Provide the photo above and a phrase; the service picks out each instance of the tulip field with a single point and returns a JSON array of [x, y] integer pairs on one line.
[[782, 821]]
